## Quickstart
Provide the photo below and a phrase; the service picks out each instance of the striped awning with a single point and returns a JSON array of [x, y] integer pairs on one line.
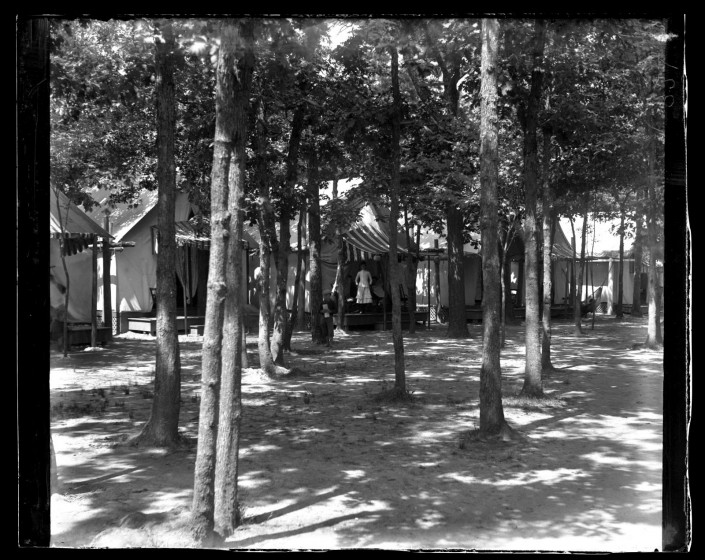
[[370, 239], [186, 234]]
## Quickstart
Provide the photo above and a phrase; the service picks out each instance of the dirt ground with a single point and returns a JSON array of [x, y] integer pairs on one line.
[[325, 465]]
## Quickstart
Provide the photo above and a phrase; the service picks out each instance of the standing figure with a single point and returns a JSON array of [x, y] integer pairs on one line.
[[328, 310], [364, 282]]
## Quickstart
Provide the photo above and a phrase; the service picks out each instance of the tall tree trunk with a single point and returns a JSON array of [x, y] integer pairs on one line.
[[502, 290], [457, 322], [280, 341], [293, 316], [394, 276], [549, 230], [491, 411], [532, 375], [203, 258], [620, 278], [410, 280], [314, 245], [338, 284], [202, 508], [162, 428], [577, 316], [227, 510], [636, 279], [437, 280], [573, 264], [268, 245], [94, 291], [107, 290], [549, 234], [304, 271]]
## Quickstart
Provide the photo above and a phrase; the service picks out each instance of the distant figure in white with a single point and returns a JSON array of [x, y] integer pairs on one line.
[[363, 281]]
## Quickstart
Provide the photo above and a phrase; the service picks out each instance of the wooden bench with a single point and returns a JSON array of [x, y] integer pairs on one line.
[[149, 324]]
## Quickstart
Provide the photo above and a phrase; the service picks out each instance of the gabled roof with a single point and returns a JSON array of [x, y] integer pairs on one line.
[[123, 216], [68, 221]]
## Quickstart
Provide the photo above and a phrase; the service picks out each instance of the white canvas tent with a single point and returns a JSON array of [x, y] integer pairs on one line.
[[133, 270], [71, 233], [602, 267]]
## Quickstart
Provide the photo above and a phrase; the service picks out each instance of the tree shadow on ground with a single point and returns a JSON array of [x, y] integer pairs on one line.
[[391, 475]]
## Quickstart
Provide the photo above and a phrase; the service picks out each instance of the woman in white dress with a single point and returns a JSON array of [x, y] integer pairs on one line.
[[364, 282]]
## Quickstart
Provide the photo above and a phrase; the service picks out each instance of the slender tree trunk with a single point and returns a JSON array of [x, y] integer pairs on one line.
[[636, 293], [203, 258], [203, 506], [578, 329], [573, 264], [107, 290], [491, 411], [437, 280], [549, 230], [305, 255], [268, 246], [338, 286], [293, 316], [162, 428], [314, 245], [266, 361], [62, 252], [280, 342], [227, 507], [620, 278], [502, 294], [410, 280], [94, 292], [395, 280], [532, 375], [457, 321]]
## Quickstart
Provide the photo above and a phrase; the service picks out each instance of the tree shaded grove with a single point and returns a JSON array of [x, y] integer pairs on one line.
[[483, 132]]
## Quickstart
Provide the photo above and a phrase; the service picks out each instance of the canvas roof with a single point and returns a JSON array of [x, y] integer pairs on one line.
[[187, 234], [69, 221], [602, 241], [371, 233], [123, 216]]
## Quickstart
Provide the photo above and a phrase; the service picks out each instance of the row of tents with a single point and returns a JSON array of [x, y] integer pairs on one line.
[[130, 230]]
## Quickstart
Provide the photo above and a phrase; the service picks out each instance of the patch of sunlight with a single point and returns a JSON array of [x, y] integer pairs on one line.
[[585, 367], [164, 501], [574, 394], [618, 460], [429, 435], [542, 476], [646, 486], [259, 448], [527, 417], [354, 473]]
